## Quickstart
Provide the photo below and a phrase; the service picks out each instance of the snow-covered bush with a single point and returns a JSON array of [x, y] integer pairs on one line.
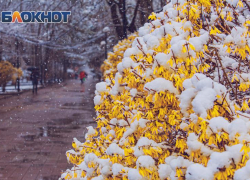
[[114, 58], [176, 106]]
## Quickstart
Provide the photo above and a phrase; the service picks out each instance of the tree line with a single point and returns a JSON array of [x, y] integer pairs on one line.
[[52, 47]]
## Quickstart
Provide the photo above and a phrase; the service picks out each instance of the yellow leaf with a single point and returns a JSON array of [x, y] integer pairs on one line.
[[192, 47], [240, 4], [184, 49], [152, 16]]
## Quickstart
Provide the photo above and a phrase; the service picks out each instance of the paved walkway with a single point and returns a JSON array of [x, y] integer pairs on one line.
[[37, 130]]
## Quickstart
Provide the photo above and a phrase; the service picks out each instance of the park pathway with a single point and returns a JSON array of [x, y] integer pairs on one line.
[[37, 130]]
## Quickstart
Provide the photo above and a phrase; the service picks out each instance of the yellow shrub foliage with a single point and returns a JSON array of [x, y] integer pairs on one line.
[[174, 103], [8, 73], [115, 57]]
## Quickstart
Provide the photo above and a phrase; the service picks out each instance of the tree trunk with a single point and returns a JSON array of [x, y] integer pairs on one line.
[[47, 60], [132, 27], [115, 18], [122, 11], [65, 65], [3, 87], [124, 19], [36, 55], [163, 3], [46, 65], [40, 49], [146, 10], [1, 47]]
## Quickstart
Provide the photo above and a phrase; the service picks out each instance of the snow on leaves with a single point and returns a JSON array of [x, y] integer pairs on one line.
[[174, 104]]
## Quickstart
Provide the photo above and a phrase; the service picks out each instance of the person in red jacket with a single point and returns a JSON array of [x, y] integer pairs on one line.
[[83, 76]]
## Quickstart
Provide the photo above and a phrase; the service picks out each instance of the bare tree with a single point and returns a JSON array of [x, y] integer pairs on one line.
[[39, 43], [125, 14]]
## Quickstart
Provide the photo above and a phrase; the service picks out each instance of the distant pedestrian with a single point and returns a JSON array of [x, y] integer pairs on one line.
[[76, 76], [34, 78], [83, 76]]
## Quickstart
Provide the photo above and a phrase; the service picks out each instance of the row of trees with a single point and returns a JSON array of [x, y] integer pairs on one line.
[[52, 46], [127, 16]]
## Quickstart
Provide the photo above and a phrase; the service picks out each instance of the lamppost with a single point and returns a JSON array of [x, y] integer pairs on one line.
[[17, 66], [106, 30]]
